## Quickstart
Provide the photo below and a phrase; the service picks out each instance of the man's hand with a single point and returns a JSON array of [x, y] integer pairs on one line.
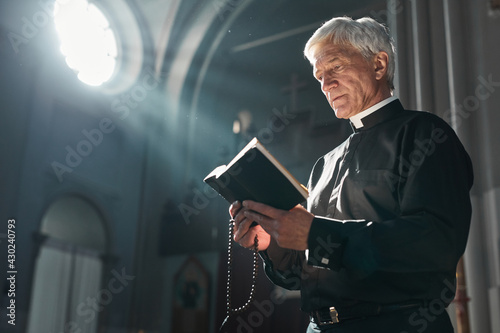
[[244, 232], [290, 229]]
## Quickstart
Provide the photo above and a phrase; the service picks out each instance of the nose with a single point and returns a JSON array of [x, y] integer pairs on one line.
[[328, 82]]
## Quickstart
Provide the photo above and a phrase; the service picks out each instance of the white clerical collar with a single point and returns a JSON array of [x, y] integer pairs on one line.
[[357, 119]]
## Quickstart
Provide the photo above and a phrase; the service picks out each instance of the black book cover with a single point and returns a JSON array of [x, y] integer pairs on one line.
[[254, 174]]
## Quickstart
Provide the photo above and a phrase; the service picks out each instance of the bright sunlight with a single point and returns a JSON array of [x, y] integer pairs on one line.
[[87, 41]]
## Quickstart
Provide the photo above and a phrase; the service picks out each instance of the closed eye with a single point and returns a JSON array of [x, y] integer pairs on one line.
[[318, 76]]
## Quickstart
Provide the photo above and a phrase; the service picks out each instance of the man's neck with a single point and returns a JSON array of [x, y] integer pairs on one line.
[[357, 119]]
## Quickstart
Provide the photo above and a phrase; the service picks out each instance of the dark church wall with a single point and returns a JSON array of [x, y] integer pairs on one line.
[[59, 138]]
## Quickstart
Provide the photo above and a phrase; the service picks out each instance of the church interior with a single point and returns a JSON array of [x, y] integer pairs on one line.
[[114, 111]]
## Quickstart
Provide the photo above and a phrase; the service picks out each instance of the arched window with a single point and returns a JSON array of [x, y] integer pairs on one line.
[[68, 268]]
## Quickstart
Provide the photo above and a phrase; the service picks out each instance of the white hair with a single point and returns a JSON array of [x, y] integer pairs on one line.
[[365, 34]]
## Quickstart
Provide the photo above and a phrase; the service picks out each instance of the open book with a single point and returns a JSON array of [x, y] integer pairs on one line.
[[254, 174]]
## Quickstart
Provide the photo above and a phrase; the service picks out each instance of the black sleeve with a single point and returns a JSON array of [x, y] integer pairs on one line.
[[283, 266]]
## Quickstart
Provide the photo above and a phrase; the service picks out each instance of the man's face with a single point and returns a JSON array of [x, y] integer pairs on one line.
[[348, 81]]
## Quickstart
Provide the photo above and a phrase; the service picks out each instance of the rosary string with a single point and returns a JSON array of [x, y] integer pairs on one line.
[[230, 310]]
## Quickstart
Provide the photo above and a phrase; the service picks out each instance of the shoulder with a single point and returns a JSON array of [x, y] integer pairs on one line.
[[423, 129], [423, 118], [426, 124]]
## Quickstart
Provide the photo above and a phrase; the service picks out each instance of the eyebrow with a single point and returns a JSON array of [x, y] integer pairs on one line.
[[334, 59], [328, 62]]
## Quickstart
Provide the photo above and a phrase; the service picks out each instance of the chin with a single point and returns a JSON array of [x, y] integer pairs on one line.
[[341, 114]]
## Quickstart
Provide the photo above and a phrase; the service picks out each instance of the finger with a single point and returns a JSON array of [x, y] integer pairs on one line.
[[248, 239], [265, 222], [238, 219], [242, 229], [234, 208], [262, 209], [257, 216]]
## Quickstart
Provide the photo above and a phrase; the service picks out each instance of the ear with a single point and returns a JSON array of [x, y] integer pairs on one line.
[[380, 63]]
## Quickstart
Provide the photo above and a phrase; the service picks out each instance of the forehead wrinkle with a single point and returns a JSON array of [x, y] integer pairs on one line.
[[323, 60], [337, 52]]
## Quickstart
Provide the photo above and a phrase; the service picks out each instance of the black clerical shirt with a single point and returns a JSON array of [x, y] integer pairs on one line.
[[392, 214]]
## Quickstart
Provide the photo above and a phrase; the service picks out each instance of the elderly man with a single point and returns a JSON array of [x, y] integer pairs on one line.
[[389, 209]]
